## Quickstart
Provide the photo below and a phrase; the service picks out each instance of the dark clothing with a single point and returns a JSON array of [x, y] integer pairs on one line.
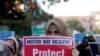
[[84, 47], [83, 51]]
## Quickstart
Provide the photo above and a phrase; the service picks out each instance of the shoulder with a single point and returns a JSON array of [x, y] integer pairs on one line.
[[3, 45]]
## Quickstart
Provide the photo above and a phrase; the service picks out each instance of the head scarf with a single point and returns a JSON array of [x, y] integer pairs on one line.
[[16, 44], [60, 25]]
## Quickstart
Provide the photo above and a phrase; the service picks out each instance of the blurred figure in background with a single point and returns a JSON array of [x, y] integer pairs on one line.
[[91, 38], [5, 49], [56, 27], [10, 47], [84, 46]]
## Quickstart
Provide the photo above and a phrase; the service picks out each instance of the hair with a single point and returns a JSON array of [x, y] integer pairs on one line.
[[85, 39]]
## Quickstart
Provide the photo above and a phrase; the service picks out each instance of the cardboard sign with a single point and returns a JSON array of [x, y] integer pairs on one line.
[[94, 48], [48, 46]]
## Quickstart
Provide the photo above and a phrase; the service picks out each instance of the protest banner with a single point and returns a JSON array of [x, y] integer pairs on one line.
[[48, 46], [94, 48], [79, 38], [5, 34], [38, 30]]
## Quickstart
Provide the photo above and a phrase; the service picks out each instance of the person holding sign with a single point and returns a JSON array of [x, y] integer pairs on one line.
[[56, 27]]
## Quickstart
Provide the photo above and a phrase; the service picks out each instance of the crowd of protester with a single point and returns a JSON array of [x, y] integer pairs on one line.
[[84, 48], [54, 27]]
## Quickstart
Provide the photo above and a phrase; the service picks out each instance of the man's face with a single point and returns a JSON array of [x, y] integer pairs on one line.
[[53, 30]]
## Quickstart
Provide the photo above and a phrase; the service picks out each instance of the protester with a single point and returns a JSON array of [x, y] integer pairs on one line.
[[84, 46], [56, 27], [79, 47], [5, 49], [9, 47]]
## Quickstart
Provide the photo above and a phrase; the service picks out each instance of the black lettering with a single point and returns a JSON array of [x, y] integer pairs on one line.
[[33, 41], [46, 41]]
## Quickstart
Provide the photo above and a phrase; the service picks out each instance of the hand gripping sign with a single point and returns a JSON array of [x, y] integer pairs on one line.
[[48, 46]]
